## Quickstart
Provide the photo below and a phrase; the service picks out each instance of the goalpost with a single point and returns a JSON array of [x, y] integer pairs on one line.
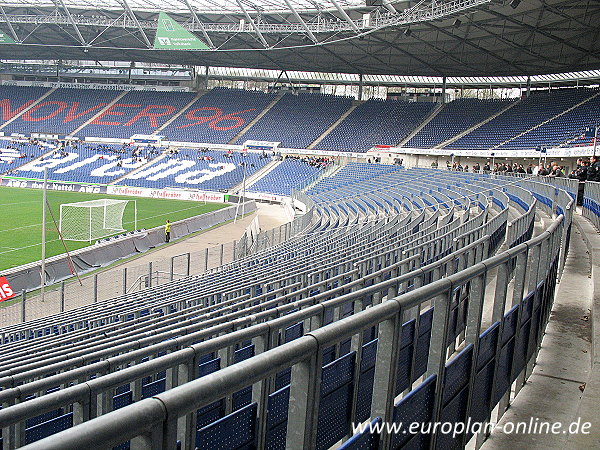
[[93, 219]]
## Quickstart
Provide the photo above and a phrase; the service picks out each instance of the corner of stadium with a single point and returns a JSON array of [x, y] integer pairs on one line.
[[307, 224]]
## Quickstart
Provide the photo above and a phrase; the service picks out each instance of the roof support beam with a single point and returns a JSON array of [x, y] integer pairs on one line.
[[387, 5], [546, 34], [10, 27], [136, 21], [249, 19], [195, 17], [302, 22], [470, 43], [345, 16], [61, 4]]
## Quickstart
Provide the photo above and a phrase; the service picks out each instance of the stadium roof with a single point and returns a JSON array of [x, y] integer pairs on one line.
[[398, 37]]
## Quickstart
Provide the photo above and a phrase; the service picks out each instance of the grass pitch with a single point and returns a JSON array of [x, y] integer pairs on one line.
[[21, 220]]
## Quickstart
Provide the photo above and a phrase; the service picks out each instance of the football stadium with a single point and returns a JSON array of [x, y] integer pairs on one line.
[[299, 224]]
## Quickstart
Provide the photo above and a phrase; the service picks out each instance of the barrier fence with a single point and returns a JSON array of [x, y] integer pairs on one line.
[[378, 360], [591, 203], [114, 282], [390, 363]]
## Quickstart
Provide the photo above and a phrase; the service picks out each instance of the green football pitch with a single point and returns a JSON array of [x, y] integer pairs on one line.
[[21, 230]]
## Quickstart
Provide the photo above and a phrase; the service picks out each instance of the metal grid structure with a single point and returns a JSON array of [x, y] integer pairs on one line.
[[426, 37]]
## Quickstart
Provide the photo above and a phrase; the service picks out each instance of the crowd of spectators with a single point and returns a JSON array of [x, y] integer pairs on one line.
[[313, 161], [551, 170], [588, 169], [17, 152]]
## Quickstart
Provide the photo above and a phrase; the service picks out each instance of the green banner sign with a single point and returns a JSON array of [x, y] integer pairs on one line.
[[5, 38], [172, 36]]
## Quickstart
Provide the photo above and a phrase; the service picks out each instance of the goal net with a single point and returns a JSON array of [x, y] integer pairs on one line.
[[91, 220]]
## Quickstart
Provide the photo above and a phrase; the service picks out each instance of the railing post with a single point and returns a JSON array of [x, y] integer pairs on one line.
[[23, 304], [171, 268], [386, 363], [62, 296], [260, 392], [436, 364], [221, 255], [96, 288], [517, 298], [303, 410], [124, 280], [188, 266], [474, 318], [150, 274]]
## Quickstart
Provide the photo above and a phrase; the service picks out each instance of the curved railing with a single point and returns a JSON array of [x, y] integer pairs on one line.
[[257, 305]]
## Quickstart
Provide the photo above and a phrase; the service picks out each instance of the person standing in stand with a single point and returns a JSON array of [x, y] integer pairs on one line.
[[168, 231]]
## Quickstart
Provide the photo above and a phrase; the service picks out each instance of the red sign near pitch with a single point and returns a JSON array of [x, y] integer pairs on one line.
[[6, 291]]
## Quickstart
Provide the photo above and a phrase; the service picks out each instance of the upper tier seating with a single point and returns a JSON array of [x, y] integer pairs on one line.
[[456, 117], [287, 175], [138, 112], [190, 168], [529, 112], [384, 122], [559, 130], [14, 99], [89, 163], [62, 112], [297, 120], [579, 141], [218, 116], [15, 153]]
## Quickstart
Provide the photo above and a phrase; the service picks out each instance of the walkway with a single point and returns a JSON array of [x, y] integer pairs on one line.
[[110, 279], [555, 388]]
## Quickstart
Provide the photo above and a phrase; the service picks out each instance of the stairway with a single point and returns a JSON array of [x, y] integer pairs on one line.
[[428, 119], [328, 172], [28, 108], [474, 127], [546, 121], [255, 177], [256, 119], [142, 167], [179, 113], [95, 116], [317, 141]]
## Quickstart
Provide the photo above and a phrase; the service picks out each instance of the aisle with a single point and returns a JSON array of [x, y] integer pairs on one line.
[[552, 393]]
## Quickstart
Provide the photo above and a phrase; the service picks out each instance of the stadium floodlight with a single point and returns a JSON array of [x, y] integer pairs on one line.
[[93, 219]]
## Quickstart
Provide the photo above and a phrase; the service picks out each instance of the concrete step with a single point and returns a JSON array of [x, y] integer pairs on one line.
[[474, 127], [546, 121], [316, 142], [95, 116], [428, 119], [179, 113], [28, 108], [256, 119]]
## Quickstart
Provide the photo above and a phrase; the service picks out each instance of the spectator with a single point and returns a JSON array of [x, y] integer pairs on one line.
[[593, 172], [556, 172]]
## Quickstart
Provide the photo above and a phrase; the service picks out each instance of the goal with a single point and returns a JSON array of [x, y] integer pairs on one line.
[[91, 220]]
